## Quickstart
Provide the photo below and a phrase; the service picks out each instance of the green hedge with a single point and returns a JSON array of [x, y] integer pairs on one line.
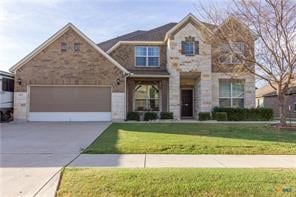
[[133, 116], [204, 116], [166, 115], [150, 116], [243, 114], [220, 116]]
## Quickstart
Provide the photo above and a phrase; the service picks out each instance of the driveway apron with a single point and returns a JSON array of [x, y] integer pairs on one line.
[[33, 153]]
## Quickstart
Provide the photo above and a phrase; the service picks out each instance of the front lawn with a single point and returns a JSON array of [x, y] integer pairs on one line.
[[177, 182], [185, 138]]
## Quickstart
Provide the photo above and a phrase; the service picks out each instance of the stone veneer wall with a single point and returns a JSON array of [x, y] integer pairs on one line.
[[250, 91], [198, 63], [53, 67], [118, 105]]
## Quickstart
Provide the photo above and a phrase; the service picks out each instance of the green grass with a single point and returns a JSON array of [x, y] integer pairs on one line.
[[177, 182], [187, 138]]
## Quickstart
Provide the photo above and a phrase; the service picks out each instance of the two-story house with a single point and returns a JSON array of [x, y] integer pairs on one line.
[[170, 68]]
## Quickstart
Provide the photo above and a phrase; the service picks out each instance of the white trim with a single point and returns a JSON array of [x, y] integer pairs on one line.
[[149, 76], [54, 38], [70, 116], [184, 20], [135, 42]]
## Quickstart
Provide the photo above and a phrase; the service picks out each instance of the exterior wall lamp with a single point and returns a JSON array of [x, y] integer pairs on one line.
[[19, 81], [118, 81]]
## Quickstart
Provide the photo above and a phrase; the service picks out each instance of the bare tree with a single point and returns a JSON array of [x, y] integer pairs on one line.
[[271, 25]]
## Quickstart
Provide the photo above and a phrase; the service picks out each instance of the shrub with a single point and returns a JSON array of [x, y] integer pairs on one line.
[[150, 116], [133, 116], [204, 116], [166, 115], [242, 114], [220, 116]]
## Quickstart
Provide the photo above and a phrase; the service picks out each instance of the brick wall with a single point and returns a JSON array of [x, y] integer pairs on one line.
[[53, 67], [124, 54]]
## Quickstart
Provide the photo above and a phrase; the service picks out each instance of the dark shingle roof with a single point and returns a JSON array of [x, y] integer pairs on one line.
[[291, 90], [109, 43], [156, 34]]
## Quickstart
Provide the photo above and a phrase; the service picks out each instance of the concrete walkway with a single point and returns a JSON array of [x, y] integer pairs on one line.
[[194, 161]]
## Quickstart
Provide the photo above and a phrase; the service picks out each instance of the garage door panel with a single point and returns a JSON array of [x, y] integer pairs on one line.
[[70, 99], [70, 116]]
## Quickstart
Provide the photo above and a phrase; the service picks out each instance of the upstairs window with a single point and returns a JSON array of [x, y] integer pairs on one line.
[[76, 47], [63, 47], [190, 47], [147, 56], [231, 93], [231, 53]]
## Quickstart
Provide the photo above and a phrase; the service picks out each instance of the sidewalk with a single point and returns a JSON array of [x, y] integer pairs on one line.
[[194, 161], [206, 121]]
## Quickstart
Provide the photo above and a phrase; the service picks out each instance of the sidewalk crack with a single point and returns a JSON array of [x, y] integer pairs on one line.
[[145, 160]]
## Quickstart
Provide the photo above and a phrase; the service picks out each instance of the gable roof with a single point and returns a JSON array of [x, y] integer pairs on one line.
[[267, 90], [190, 16], [54, 38], [155, 34], [109, 43]]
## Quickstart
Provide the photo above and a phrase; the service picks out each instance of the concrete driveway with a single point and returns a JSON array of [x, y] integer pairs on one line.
[[32, 154]]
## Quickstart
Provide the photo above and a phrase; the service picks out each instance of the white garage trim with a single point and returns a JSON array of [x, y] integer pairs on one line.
[[70, 116]]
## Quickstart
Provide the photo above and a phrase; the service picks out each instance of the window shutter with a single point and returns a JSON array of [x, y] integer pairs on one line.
[[196, 43], [183, 47]]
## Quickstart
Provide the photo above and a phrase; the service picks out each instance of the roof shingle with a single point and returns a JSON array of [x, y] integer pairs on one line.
[[156, 34]]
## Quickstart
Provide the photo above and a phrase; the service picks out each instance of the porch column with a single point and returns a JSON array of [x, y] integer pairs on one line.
[[164, 95], [174, 94], [205, 92]]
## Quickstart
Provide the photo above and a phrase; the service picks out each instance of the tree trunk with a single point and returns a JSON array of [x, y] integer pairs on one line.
[[281, 98]]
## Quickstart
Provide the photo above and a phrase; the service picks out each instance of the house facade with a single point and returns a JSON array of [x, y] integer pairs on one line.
[[267, 97], [172, 68]]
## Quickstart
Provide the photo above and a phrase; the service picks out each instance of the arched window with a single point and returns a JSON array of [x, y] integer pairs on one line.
[[146, 98]]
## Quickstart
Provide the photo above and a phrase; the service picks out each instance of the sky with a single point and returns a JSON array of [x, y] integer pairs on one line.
[[25, 24]]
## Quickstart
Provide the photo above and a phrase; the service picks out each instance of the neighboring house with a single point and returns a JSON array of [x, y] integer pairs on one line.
[[169, 68], [6, 92], [267, 97]]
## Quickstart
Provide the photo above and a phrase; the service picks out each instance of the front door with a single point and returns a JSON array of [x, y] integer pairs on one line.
[[186, 99]]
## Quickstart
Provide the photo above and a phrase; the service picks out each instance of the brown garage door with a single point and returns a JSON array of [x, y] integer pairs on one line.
[[70, 99]]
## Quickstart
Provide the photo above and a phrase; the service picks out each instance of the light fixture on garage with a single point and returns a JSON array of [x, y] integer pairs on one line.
[[118, 81], [19, 81]]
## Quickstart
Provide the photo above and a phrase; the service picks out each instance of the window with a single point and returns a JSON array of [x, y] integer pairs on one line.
[[76, 46], [147, 56], [190, 47], [231, 94], [146, 98], [7, 85], [230, 53], [294, 107], [63, 46]]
